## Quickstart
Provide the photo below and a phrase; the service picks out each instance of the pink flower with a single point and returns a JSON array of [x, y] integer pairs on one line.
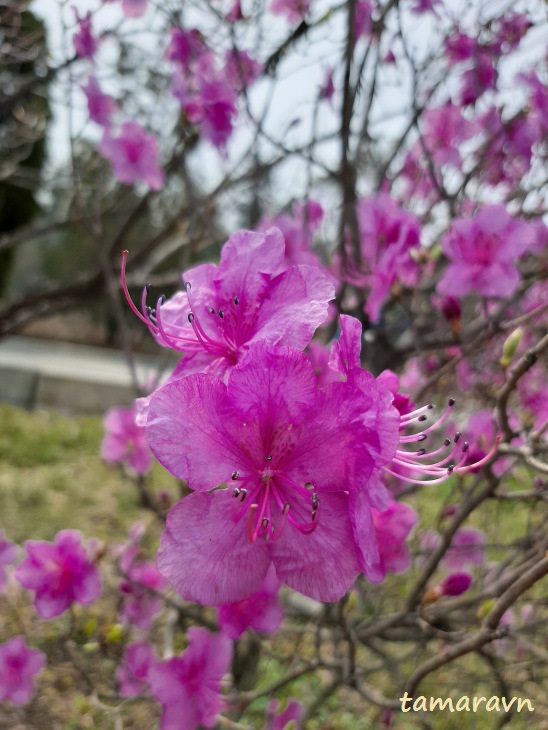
[[124, 441], [8, 555], [388, 234], [133, 156], [101, 106], [134, 8], [85, 45], [241, 70], [467, 548], [189, 686], [392, 528], [478, 79], [425, 6], [300, 461], [60, 573], [185, 47], [327, 88], [227, 309], [18, 667], [133, 674], [483, 252], [261, 612], [141, 590], [444, 129], [362, 19], [455, 584], [293, 10], [279, 720]]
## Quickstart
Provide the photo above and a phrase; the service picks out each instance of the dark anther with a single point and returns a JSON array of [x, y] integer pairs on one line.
[[465, 447], [268, 458], [236, 300], [211, 310], [457, 437], [315, 502], [236, 492], [430, 406], [243, 495], [450, 468], [447, 442], [187, 286], [421, 452], [308, 485], [451, 402], [422, 418], [162, 299], [264, 522], [422, 437], [221, 313], [190, 317], [148, 287], [235, 475]]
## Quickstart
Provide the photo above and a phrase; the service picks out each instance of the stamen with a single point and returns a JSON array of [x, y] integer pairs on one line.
[[236, 300], [221, 313], [235, 475], [268, 458]]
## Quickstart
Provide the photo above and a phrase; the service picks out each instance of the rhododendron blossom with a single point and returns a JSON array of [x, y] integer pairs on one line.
[[124, 441], [392, 528], [142, 595], [133, 674], [261, 612], [101, 106], [388, 235], [300, 461], [59, 573], [277, 719], [483, 252], [85, 44], [189, 686], [226, 309], [18, 667], [134, 156]]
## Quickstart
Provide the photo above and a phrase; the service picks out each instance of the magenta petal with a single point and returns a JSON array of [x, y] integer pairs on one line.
[[205, 556], [295, 305], [189, 420], [324, 564], [273, 386], [247, 261], [365, 536]]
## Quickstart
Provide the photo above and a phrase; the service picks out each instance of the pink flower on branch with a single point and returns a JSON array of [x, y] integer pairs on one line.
[[261, 612], [124, 441], [101, 106], [189, 687], [133, 155], [483, 252], [300, 461], [59, 573], [291, 717], [133, 674], [226, 309], [18, 667]]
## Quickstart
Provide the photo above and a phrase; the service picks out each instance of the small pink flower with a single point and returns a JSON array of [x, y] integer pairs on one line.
[[134, 8], [141, 590], [455, 584], [261, 612], [293, 10], [18, 667], [241, 70], [133, 674], [85, 44], [101, 106], [483, 252], [276, 719], [189, 686], [392, 528], [59, 573], [467, 548], [8, 555], [133, 155], [124, 441]]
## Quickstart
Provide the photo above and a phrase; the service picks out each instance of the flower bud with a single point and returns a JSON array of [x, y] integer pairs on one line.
[[510, 347]]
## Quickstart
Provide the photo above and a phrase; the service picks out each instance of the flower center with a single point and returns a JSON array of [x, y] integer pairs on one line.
[[267, 497]]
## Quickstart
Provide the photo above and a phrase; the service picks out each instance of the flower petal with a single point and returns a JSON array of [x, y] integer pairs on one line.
[[205, 556], [324, 564]]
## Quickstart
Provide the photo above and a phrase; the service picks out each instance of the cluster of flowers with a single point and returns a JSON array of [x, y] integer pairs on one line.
[[284, 470]]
